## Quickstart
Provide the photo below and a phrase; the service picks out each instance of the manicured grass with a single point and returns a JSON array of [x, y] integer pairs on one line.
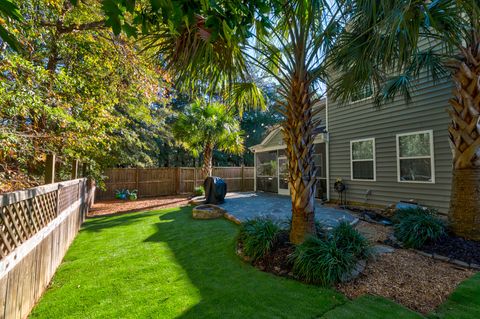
[[164, 264], [464, 302]]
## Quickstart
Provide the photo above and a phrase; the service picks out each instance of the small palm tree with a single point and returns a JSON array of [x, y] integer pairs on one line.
[[204, 127], [390, 43]]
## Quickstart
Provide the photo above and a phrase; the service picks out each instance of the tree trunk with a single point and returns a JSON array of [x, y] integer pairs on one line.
[[207, 160], [298, 130], [465, 202], [464, 130]]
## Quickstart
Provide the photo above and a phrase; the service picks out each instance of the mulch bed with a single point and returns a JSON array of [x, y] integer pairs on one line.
[[118, 206], [417, 282], [277, 261], [456, 248]]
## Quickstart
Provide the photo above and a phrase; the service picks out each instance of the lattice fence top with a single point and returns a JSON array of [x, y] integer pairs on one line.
[[24, 213]]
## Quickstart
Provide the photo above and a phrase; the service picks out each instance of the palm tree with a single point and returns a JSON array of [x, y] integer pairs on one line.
[[204, 127], [288, 40], [389, 43]]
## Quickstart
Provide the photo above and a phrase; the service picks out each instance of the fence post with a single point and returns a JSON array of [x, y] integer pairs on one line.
[[194, 178], [84, 169], [74, 174], [243, 178], [136, 179], [50, 169], [177, 180]]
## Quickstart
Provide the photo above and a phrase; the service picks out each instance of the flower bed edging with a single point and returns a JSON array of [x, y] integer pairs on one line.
[[452, 261]]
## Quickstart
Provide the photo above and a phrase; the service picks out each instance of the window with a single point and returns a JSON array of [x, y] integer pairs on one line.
[[362, 156], [267, 164], [362, 93], [415, 157]]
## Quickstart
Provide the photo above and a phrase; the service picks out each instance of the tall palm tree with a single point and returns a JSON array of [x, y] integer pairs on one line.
[[204, 127], [390, 42], [287, 39]]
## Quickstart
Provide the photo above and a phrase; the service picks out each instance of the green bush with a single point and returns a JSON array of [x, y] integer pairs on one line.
[[349, 239], [415, 230], [403, 213], [322, 262], [258, 237], [199, 191]]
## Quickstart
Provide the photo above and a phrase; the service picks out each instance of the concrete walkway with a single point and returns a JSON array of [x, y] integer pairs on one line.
[[245, 206]]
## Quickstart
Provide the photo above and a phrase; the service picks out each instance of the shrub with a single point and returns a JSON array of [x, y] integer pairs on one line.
[[322, 261], [349, 239], [258, 237], [403, 213], [199, 191], [416, 229]]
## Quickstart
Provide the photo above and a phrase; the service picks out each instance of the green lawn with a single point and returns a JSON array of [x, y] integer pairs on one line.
[[163, 264]]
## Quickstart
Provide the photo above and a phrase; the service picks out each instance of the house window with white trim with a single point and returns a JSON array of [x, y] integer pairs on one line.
[[362, 93], [415, 161], [362, 157]]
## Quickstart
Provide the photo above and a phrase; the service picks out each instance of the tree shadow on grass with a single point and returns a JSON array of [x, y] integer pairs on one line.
[[99, 223], [230, 288]]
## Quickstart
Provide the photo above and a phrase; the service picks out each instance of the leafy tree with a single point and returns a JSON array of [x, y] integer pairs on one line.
[[216, 40], [204, 127], [390, 43], [9, 12], [79, 91]]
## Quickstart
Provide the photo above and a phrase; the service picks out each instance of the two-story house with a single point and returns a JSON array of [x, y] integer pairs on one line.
[[399, 151]]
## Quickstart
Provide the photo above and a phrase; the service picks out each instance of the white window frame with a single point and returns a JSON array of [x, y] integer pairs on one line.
[[432, 157], [365, 98], [363, 160]]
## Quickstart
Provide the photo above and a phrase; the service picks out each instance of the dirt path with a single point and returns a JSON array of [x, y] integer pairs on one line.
[[117, 206]]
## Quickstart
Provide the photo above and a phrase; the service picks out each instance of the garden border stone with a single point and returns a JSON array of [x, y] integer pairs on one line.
[[451, 261]]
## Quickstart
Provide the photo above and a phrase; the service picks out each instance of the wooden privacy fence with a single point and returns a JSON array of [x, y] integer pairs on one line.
[[37, 226], [172, 180]]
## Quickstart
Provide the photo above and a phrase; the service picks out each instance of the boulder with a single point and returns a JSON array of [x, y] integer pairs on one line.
[[207, 211]]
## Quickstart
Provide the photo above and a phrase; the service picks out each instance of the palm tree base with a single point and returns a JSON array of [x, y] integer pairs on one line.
[[464, 214]]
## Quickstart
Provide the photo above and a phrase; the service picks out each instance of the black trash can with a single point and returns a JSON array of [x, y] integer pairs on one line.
[[215, 190]]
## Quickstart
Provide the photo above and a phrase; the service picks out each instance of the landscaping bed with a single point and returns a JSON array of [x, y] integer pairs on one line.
[[118, 206], [455, 247], [416, 281]]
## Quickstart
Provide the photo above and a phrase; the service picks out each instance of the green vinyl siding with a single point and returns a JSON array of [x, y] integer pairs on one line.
[[362, 119]]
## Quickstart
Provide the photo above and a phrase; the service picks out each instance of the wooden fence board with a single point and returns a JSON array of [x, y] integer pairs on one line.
[[172, 180], [36, 228]]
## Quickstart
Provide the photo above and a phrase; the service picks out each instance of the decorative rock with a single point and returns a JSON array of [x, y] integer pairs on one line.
[[359, 268], [207, 211], [475, 266], [424, 253], [460, 263], [232, 218], [440, 257], [197, 200], [382, 249]]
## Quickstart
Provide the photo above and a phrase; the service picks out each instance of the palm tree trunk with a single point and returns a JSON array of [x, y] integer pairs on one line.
[[464, 215], [298, 129], [207, 160]]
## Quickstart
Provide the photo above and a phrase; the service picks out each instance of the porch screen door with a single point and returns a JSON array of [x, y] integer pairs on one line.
[[283, 176]]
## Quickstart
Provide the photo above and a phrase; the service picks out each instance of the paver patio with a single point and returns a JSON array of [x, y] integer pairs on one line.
[[249, 205]]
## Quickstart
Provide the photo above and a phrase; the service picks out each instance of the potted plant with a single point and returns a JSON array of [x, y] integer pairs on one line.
[[121, 193], [132, 195]]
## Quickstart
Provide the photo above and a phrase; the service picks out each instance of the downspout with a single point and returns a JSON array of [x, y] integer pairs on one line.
[[254, 171], [327, 148]]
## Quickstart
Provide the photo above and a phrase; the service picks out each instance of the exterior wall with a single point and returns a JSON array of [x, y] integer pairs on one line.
[[363, 120]]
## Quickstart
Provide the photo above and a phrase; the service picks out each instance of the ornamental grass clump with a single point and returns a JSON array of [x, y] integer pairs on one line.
[[403, 213], [258, 237], [417, 229], [349, 239], [322, 262]]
